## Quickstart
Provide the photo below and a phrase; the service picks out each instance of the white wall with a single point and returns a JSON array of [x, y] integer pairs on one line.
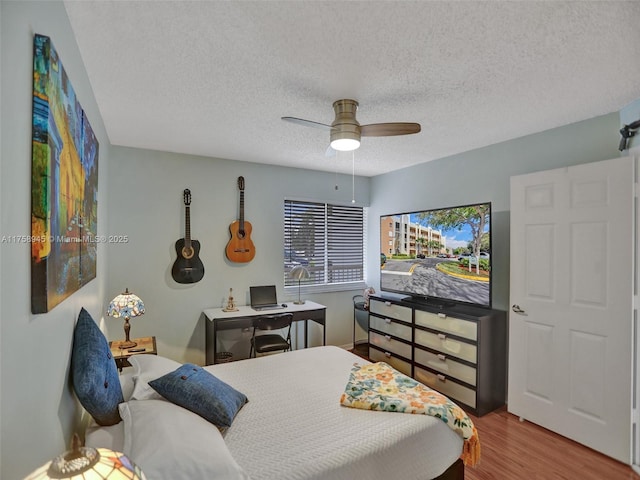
[[38, 411], [483, 175], [147, 206]]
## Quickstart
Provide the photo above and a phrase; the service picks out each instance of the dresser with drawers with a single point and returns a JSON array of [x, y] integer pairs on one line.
[[460, 351]]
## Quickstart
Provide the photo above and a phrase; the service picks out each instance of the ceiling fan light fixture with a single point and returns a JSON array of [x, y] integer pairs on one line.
[[345, 144], [345, 137], [346, 131]]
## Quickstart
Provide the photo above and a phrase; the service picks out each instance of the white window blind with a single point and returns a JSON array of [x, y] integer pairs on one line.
[[327, 239]]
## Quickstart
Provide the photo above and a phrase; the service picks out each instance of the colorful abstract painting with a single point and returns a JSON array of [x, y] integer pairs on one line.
[[64, 185]]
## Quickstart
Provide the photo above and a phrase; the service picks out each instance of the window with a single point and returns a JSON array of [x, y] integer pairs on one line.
[[327, 239]]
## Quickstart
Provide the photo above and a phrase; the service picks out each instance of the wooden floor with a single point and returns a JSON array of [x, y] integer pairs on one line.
[[521, 450], [515, 450]]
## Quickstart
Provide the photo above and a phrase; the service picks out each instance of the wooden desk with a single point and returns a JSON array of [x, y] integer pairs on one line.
[[245, 316], [121, 356]]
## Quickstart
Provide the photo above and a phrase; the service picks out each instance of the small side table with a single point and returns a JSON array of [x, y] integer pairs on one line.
[[121, 356]]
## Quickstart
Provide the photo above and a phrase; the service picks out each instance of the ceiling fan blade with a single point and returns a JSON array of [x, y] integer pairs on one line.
[[307, 123], [330, 152], [389, 129]]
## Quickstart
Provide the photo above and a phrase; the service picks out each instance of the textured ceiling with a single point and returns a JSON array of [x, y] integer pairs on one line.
[[213, 78]]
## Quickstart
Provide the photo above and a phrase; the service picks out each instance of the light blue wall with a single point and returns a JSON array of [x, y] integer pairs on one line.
[[147, 206], [483, 175], [38, 411], [140, 196]]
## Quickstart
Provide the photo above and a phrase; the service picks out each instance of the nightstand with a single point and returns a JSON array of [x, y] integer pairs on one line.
[[144, 345]]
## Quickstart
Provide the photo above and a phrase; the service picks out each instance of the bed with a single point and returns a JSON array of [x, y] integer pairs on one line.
[[292, 427]]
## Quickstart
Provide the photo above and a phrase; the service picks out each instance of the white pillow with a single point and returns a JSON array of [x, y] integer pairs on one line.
[[111, 437], [146, 368], [126, 382], [168, 442]]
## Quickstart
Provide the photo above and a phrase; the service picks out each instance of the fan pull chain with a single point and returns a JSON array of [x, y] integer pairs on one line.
[[353, 176], [337, 160]]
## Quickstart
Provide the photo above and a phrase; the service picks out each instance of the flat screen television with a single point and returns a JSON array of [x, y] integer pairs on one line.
[[440, 256]]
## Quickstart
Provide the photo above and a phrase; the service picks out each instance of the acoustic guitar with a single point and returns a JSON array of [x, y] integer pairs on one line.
[[240, 247], [188, 267]]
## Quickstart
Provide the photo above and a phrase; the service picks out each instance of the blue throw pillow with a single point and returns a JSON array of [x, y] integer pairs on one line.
[[94, 373], [195, 389]]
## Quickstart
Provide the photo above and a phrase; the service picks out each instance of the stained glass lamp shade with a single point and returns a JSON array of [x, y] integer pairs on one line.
[[126, 305], [85, 463]]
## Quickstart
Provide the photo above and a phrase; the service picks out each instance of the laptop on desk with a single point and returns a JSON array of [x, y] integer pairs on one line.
[[264, 298]]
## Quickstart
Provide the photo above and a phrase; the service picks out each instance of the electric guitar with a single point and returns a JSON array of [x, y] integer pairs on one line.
[[188, 267], [240, 247]]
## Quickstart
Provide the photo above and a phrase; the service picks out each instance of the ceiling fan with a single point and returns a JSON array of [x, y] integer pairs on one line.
[[345, 131]]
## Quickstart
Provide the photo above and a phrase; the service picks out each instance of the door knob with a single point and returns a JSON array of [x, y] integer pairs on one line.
[[517, 309]]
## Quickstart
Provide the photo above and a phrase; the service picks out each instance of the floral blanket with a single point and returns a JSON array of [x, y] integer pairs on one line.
[[378, 386]]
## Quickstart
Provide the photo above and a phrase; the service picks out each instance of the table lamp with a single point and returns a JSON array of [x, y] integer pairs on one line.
[[299, 273], [85, 463], [126, 305]]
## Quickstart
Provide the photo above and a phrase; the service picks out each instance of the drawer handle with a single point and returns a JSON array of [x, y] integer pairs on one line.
[[442, 315], [388, 338], [442, 378], [388, 304], [442, 336], [387, 321], [387, 354], [441, 357]]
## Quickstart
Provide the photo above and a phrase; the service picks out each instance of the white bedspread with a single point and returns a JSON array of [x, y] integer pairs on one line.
[[293, 427]]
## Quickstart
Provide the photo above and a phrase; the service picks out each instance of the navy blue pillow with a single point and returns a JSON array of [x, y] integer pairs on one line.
[[195, 389], [94, 373]]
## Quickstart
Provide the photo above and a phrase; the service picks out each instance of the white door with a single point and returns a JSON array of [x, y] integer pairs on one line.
[[571, 291]]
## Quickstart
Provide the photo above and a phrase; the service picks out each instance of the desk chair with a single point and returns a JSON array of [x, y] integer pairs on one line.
[[271, 342], [360, 316]]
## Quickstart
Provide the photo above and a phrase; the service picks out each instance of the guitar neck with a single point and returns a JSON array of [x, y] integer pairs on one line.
[[187, 228], [241, 210]]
